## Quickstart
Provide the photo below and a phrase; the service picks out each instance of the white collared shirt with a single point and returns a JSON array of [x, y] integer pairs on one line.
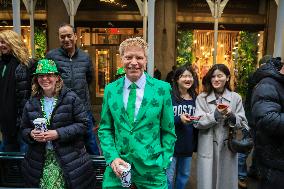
[[141, 82]]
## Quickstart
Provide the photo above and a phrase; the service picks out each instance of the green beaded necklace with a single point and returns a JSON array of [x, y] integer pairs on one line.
[[44, 113]]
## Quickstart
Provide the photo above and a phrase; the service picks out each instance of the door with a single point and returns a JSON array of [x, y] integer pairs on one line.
[[105, 61]]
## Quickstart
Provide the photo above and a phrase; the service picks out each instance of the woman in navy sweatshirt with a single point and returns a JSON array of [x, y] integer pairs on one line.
[[183, 98]]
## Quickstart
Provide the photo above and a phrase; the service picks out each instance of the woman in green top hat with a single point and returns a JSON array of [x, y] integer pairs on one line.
[[53, 124]]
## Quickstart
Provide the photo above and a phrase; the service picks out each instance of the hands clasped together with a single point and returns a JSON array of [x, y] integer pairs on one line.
[[45, 136]]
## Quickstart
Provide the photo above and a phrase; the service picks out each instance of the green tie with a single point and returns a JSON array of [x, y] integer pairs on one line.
[[131, 102]]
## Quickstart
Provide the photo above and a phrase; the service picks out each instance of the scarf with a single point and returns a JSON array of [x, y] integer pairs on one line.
[[8, 110]]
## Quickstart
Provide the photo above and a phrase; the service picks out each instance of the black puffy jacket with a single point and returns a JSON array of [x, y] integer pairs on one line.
[[76, 71], [14, 93], [69, 119], [23, 76], [268, 116]]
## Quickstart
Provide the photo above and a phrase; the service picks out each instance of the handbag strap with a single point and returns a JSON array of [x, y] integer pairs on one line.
[[231, 134]]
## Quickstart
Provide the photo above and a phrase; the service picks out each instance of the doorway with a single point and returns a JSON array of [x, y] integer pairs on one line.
[[106, 61], [102, 45]]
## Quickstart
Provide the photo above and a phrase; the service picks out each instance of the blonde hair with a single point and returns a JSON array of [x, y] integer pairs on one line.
[[133, 42], [17, 45], [37, 90]]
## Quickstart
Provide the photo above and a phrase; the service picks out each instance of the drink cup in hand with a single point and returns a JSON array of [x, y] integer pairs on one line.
[[40, 124], [125, 175]]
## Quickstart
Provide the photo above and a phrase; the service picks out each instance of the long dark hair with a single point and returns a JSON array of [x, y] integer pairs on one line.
[[192, 90], [206, 81]]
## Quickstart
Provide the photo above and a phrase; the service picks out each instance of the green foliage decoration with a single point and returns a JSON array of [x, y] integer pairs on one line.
[[184, 47], [246, 60], [40, 42]]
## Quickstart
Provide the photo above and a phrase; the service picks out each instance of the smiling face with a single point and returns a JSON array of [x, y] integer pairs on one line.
[[67, 38], [185, 80], [134, 61], [47, 83], [218, 80], [4, 47]]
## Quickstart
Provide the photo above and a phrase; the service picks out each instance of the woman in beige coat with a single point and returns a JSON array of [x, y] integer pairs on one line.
[[219, 108]]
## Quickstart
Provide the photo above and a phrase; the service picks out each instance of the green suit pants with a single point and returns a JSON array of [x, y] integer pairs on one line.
[[149, 181]]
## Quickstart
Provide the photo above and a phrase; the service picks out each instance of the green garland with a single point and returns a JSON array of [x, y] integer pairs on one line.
[[246, 61], [40, 43], [184, 47], [43, 110]]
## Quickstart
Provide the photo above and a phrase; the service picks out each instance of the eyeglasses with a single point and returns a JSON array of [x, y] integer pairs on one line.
[[185, 76]]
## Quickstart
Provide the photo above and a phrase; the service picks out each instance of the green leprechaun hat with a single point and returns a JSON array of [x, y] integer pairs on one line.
[[45, 66]]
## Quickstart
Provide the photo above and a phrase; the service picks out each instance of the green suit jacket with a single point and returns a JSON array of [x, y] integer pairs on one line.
[[148, 143]]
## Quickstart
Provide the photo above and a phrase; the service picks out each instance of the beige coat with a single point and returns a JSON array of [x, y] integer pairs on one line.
[[217, 167]]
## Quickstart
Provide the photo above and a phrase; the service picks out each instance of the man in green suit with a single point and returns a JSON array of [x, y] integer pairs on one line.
[[141, 134]]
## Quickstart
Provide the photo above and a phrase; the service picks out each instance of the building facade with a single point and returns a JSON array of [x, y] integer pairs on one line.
[[101, 25]]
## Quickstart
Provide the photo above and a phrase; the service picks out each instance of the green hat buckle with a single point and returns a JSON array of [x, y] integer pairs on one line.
[[45, 66]]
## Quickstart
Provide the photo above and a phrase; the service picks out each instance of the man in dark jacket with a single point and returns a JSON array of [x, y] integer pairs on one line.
[[170, 75], [268, 116], [242, 158], [157, 73], [75, 67]]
